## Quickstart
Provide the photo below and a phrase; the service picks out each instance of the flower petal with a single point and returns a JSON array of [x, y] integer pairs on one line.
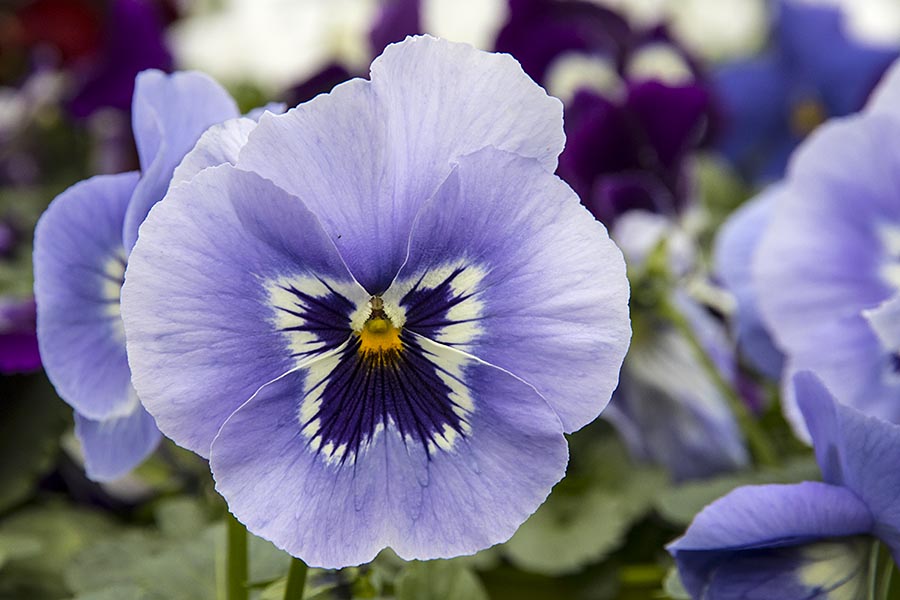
[[221, 143], [79, 263], [232, 283], [462, 492], [736, 536], [169, 113], [506, 265], [366, 156], [114, 446], [831, 252], [856, 451], [735, 247]]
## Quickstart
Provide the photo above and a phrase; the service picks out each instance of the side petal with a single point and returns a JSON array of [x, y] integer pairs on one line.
[[505, 264], [753, 524], [733, 253], [115, 446], [169, 113], [79, 263], [436, 496], [221, 143], [856, 451], [232, 283], [366, 156]]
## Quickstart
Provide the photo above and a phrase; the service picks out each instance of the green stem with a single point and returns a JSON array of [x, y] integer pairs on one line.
[[296, 580], [236, 560], [760, 444]]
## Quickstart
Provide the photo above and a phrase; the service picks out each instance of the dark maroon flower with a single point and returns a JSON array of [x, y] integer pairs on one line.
[[626, 145]]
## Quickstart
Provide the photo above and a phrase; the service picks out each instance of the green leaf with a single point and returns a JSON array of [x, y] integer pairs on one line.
[[679, 504], [439, 580], [568, 532], [14, 547], [61, 533], [32, 419]]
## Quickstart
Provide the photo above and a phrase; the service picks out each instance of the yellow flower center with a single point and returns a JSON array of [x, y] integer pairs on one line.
[[378, 335]]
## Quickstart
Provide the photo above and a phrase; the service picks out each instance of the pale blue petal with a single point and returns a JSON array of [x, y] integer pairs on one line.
[[169, 113], [79, 264], [365, 157], [856, 451], [530, 281], [752, 525], [115, 446], [209, 285], [735, 247], [426, 495]]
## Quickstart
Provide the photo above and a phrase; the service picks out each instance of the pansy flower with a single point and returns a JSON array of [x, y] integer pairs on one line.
[[379, 315], [830, 255], [81, 248], [811, 71], [803, 540]]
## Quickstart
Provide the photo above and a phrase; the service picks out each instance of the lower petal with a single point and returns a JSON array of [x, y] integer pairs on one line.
[[115, 446], [425, 492]]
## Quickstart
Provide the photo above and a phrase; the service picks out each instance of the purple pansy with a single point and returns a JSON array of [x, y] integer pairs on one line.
[[343, 315], [811, 71], [830, 255], [82, 243], [635, 107], [804, 540], [18, 338]]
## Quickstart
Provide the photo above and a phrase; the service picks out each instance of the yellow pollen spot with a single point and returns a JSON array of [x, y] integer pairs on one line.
[[378, 335], [806, 116]]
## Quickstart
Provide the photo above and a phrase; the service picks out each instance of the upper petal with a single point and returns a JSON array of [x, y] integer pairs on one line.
[[505, 264], [79, 263], [231, 284], [341, 458], [366, 156], [169, 113]]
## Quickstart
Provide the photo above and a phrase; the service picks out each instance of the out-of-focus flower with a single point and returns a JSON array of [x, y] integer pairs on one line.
[[274, 44], [18, 338], [805, 540], [334, 320], [81, 248], [734, 251], [668, 408], [634, 109], [713, 30], [831, 254], [810, 72], [872, 21], [101, 53]]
